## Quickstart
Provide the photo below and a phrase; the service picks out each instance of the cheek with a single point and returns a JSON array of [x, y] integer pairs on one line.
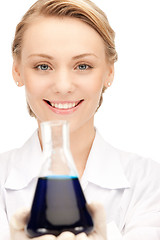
[[95, 85], [33, 84]]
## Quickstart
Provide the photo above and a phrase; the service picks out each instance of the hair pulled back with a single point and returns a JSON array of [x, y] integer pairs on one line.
[[85, 10]]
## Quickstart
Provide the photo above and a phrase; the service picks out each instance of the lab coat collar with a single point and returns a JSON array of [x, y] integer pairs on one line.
[[104, 167], [25, 163]]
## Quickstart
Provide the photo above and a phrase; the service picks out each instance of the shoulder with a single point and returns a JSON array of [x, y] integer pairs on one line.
[[143, 175], [138, 168], [7, 157], [6, 163], [135, 167], [16, 158], [131, 161]]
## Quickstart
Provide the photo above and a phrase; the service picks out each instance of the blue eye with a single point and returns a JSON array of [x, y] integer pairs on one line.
[[83, 67], [43, 67]]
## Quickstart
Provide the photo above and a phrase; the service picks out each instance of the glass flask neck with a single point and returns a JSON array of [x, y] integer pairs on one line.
[[54, 135], [56, 150]]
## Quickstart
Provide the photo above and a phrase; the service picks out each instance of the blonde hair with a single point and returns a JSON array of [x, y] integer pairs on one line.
[[84, 10]]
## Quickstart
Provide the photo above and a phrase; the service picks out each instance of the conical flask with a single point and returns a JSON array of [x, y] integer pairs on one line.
[[59, 203]]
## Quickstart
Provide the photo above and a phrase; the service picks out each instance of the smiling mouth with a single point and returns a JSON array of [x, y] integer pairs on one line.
[[63, 105]]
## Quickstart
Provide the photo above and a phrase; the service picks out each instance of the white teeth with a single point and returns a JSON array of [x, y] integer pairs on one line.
[[63, 106]]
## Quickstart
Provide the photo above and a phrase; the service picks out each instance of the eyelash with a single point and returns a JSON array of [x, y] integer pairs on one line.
[[86, 65], [39, 67]]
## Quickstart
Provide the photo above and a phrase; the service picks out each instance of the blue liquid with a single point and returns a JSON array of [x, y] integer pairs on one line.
[[59, 205]]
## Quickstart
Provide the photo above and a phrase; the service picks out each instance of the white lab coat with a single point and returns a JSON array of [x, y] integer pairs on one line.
[[126, 184]]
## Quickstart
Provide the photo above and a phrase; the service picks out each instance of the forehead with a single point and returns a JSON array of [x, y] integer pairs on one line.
[[54, 34]]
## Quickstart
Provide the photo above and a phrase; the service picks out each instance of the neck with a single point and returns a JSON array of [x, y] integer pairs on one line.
[[81, 143]]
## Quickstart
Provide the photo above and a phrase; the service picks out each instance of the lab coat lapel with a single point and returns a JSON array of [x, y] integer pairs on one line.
[[104, 167], [26, 163]]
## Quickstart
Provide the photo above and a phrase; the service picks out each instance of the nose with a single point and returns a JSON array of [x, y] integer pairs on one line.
[[63, 82]]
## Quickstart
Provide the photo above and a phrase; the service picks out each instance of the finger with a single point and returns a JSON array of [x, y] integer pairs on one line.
[[66, 236], [81, 236], [18, 234], [99, 216], [19, 219], [44, 237]]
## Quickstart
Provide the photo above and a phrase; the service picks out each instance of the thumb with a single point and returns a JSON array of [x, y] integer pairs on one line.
[[17, 225], [99, 216], [19, 219]]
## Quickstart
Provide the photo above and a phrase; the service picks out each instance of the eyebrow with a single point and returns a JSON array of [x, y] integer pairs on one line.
[[84, 55], [51, 58], [41, 55]]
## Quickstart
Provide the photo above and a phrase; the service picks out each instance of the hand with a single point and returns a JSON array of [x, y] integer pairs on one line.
[[19, 220]]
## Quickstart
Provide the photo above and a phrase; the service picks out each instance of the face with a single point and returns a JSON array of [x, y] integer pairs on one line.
[[64, 69]]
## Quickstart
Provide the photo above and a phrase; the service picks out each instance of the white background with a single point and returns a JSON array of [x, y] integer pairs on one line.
[[129, 117]]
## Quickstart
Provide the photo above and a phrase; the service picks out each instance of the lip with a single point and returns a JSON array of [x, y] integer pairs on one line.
[[63, 111]]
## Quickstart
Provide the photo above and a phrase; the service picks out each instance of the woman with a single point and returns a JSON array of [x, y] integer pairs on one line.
[[64, 55]]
